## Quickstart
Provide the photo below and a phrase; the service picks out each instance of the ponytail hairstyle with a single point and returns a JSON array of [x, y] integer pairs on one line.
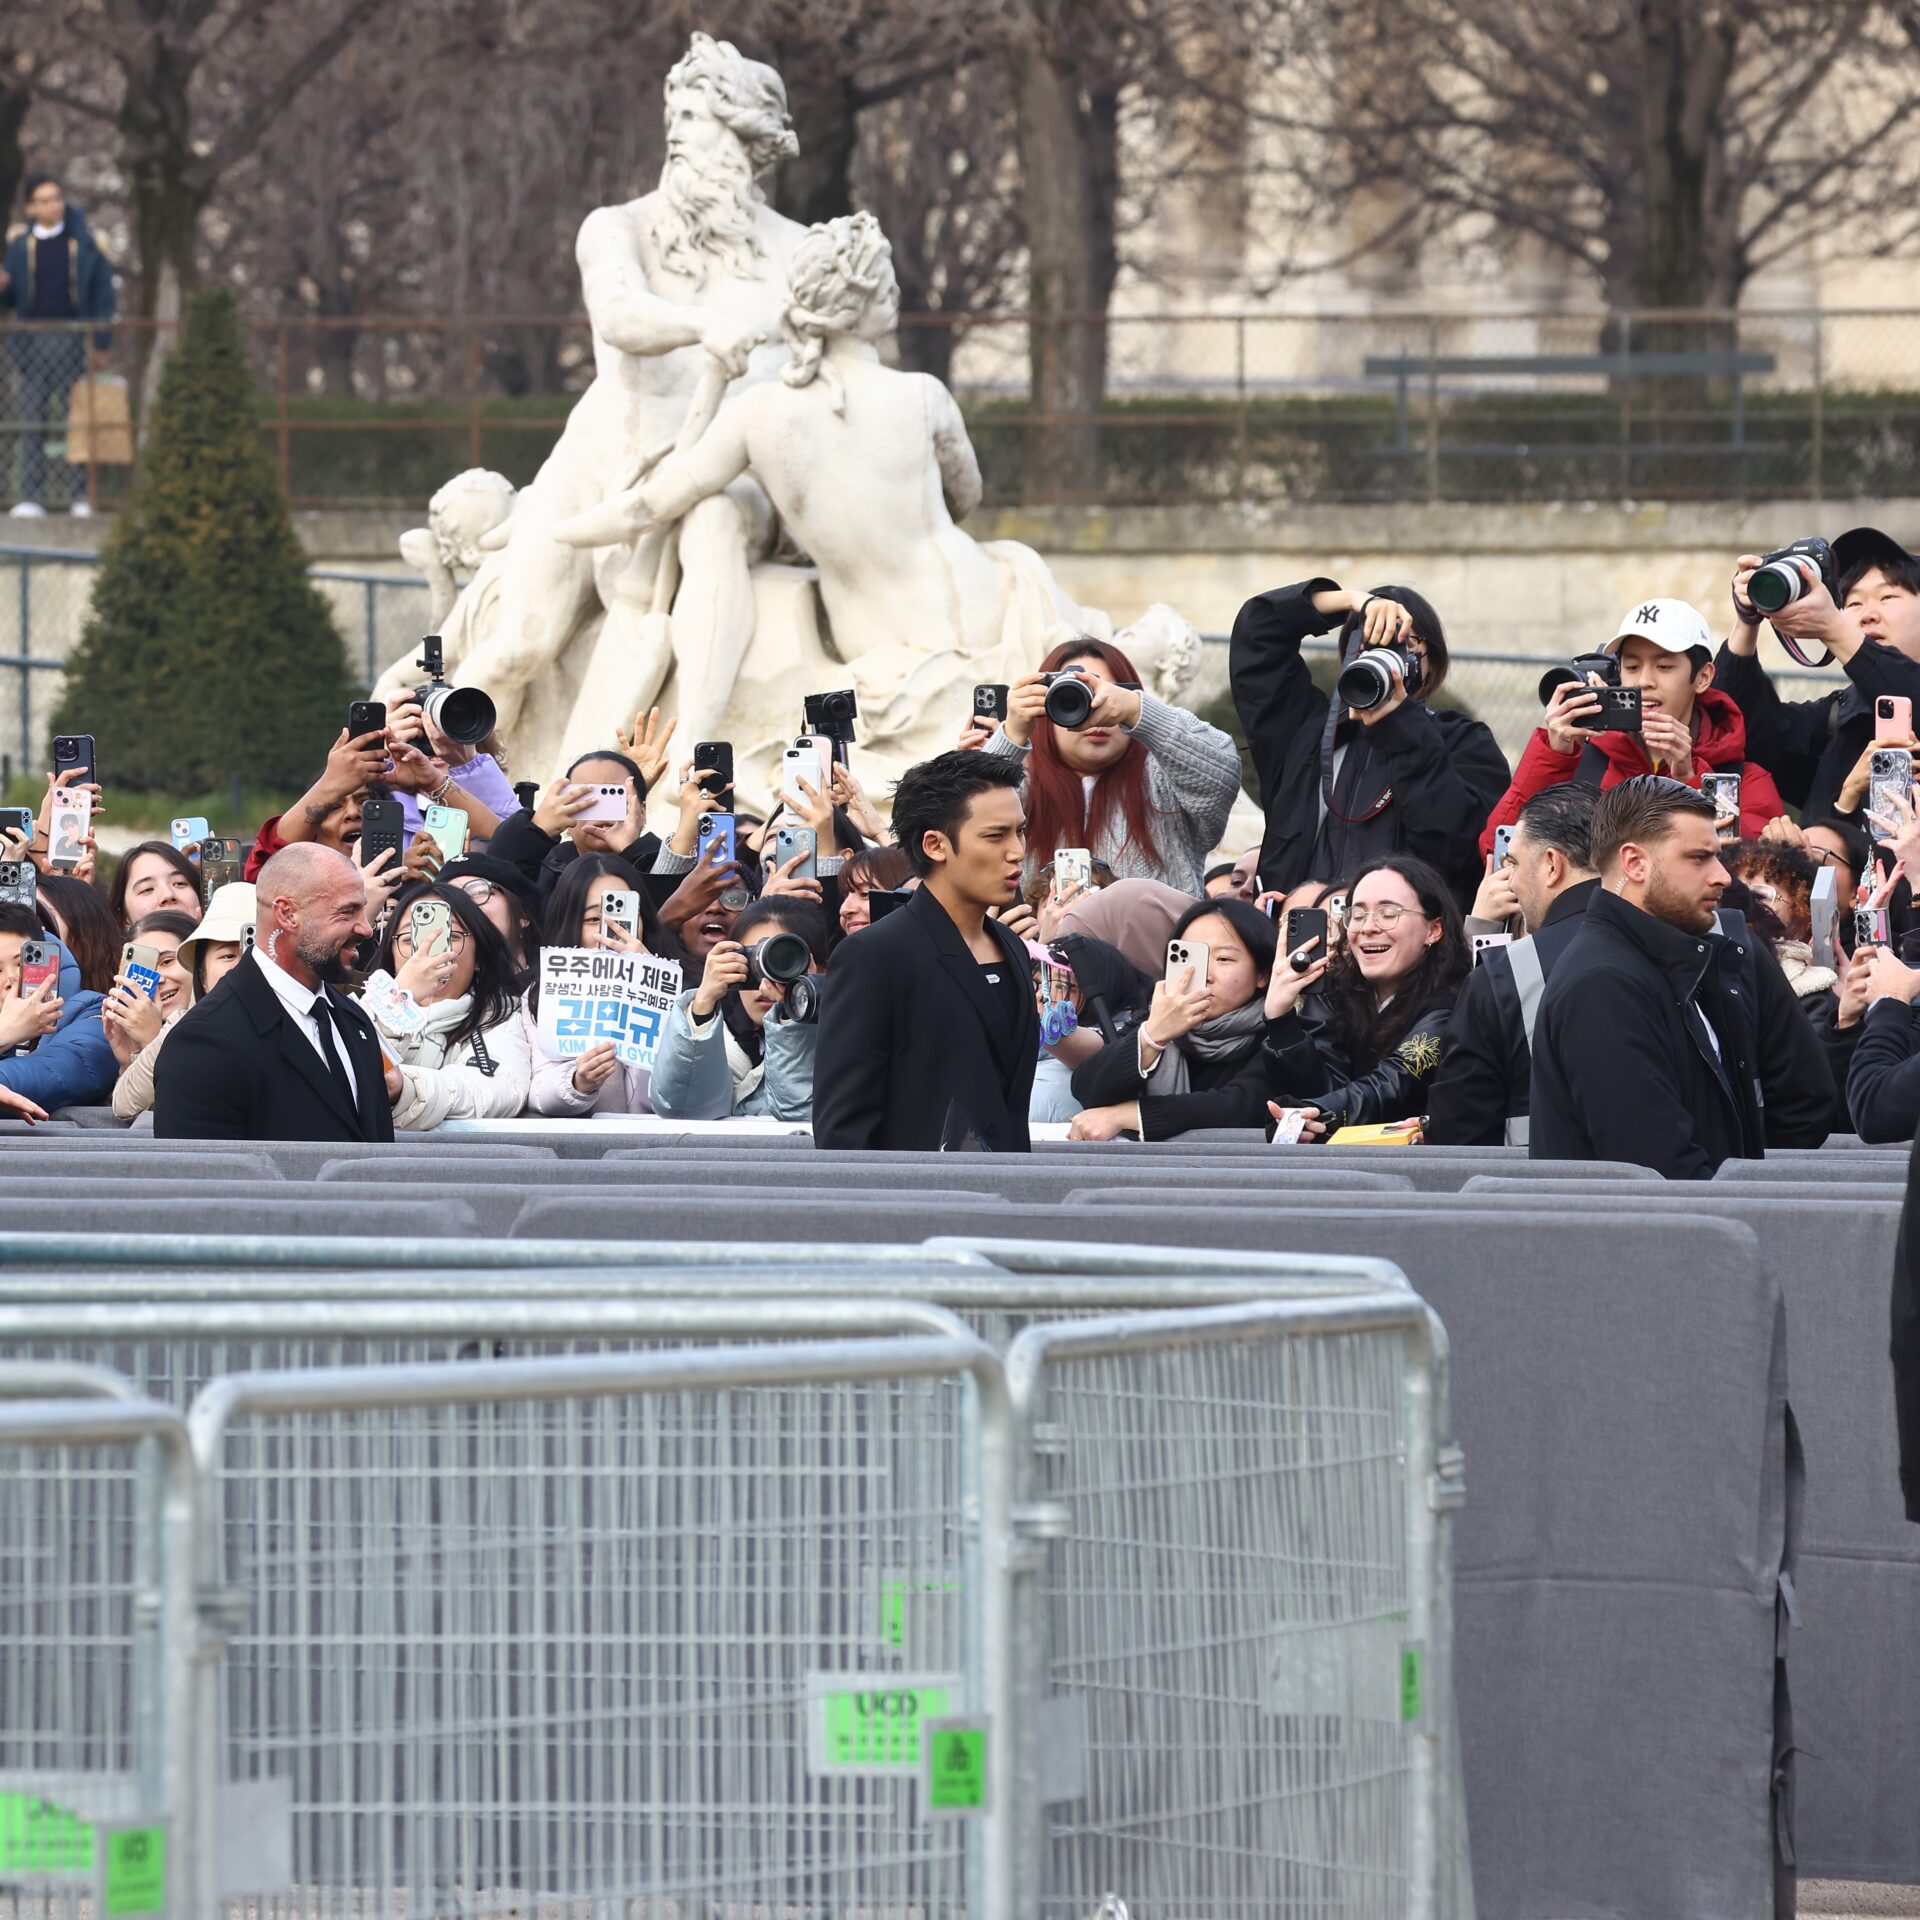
[[1059, 813]]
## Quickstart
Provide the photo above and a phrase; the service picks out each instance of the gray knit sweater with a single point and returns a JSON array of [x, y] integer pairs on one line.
[[1193, 779]]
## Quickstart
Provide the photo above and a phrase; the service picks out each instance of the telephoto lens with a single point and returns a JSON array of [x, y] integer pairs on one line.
[[1367, 681], [1069, 700], [1777, 585], [464, 714], [778, 960]]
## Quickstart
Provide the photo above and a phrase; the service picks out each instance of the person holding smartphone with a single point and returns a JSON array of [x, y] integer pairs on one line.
[[53, 1049], [599, 901], [442, 995], [1354, 1038], [1195, 1061]]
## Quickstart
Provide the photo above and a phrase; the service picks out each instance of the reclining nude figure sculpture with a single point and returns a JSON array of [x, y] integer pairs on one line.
[[869, 468]]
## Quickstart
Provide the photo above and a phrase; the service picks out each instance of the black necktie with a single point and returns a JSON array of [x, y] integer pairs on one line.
[[323, 1025]]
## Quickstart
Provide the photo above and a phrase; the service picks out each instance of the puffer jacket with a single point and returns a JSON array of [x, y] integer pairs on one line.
[[481, 1079], [1307, 1065], [1719, 744], [702, 1073], [554, 1095], [73, 1066]]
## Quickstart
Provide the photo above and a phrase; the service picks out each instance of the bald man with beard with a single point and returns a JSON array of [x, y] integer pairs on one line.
[[276, 1051], [688, 275]]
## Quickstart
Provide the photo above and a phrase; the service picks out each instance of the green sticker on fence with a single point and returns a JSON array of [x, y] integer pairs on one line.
[[893, 1605], [1410, 1684], [956, 1768], [38, 1837], [136, 1875], [874, 1728]]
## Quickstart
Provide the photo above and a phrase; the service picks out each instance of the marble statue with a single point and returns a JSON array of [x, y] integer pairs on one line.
[[748, 504]]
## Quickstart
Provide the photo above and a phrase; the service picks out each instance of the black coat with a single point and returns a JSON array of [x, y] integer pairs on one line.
[[1810, 746], [1487, 1064], [1621, 1072], [1906, 1339], [1220, 1093], [544, 857], [1443, 771], [909, 1053], [1308, 1066], [237, 1068], [1883, 1077]]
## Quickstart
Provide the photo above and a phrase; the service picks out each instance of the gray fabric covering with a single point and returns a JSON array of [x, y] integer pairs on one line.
[[187, 1211]]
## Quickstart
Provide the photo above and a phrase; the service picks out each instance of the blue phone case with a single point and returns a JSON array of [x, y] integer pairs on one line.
[[717, 827]]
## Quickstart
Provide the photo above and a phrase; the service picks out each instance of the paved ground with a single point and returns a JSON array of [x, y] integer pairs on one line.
[[1855, 1900]]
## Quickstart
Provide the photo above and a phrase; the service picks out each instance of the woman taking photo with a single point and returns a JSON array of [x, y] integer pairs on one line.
[[1195, 1062], [729, 1049], [1356, 1037], [447, 1013], [595, 900], [1394, 773], [1141, 785]]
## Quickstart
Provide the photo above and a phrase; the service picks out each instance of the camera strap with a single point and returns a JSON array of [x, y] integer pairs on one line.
[[482, 1059], [1335, 713], [1796, 651]]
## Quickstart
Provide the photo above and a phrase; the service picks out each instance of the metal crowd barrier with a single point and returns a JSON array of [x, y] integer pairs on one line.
[[482, 1635]]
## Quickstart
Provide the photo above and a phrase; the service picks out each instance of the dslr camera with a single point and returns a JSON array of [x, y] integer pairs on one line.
[[784, 960], [1619, 710], [1605, 667], [1069, 699], [464, 714], [1366, 681], [832, 714], [1785, 574]]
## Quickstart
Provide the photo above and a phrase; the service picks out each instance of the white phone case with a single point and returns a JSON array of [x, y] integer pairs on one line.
[[1189, 953]]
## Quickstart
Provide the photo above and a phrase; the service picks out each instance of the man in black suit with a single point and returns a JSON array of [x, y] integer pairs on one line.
[[928, 1031], [276, 1051]]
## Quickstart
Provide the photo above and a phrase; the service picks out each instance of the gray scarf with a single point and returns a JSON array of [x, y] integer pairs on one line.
[[1225, 1037]]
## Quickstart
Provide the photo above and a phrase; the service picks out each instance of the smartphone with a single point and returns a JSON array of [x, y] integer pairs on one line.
[[797, 842], [1188, 953], [1892, 719], [17, 820], [822, 749], [449, 827], [38, 964], [990, 703], [716, 831], [1872, 927], [797, 764], [140, 965], [621, 910], [246, 938], [1072, 867], [190, 830], [1502, 846], [73, 758], [221, 860], [1304, 925], [1723, 789], [1483, 941], [19, 882], [365, 717], [881, 902], [717, 757], [1889, 772], [608, 806], [382, 824], [1619, 711], [67, 828], [430, 926]]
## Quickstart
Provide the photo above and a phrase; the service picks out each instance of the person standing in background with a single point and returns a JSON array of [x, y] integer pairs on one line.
[[54, 277]]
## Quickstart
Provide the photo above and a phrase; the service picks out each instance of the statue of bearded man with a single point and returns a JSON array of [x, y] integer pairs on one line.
[[687, 276]]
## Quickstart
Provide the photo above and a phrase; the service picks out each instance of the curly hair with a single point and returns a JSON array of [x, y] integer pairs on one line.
[[835, 272], [1367, 1030], [749, 98]]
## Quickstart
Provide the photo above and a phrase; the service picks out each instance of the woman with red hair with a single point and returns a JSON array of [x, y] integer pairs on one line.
[[1144, 786]]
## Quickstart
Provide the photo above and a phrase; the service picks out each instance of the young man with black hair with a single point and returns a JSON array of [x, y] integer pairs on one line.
[[1688, 727], [1871, 626], [1668, 1035], [1479, 1096], [928, 1031], [53, 272]]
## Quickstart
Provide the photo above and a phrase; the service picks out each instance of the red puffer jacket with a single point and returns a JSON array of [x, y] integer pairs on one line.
[[1719, 742]]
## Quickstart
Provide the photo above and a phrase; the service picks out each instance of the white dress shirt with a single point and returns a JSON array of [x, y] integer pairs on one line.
[[298, 1001]]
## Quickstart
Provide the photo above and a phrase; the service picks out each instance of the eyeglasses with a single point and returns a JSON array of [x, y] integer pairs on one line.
[[1386, 917], [478, 891]]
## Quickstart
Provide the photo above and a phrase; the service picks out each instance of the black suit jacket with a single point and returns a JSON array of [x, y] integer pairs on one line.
[[237, 1068], [907, 1032]]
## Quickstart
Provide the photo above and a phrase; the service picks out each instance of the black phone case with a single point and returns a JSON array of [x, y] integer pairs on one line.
[[364, 717], [1296, 934], [717, 757], [80, 754], [382, 825]]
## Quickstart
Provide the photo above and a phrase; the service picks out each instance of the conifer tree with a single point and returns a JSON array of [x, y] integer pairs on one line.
[[207, 651]]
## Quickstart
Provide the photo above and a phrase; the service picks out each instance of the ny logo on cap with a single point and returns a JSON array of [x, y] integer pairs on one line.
[[1647, 614]]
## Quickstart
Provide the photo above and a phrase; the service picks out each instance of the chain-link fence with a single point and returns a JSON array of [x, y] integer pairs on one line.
[[1265, 406]]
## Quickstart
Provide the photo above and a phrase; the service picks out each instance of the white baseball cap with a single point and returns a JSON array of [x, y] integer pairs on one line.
[[1672, 625]]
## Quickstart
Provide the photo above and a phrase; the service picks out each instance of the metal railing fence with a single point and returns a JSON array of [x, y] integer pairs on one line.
[[1263, 404], [1247, 1472], [43, 609]]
